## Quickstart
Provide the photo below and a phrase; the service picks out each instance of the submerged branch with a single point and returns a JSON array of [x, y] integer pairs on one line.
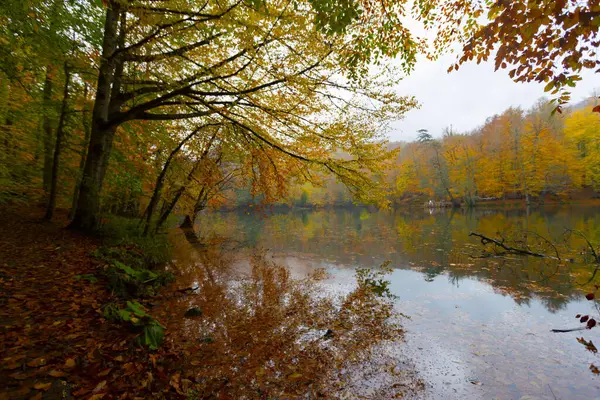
[[513, 250]]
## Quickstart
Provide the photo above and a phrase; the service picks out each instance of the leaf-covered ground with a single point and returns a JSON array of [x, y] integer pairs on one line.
[[52, 326]]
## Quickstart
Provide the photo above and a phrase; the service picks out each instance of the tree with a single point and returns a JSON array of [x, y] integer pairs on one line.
[[265, 69], [538, 41], [581, 133], [438, 163]]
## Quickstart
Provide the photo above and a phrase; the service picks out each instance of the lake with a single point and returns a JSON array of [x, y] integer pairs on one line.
[[479, 323]]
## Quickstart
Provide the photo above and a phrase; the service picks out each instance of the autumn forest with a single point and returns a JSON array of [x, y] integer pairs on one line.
[[145, 143]]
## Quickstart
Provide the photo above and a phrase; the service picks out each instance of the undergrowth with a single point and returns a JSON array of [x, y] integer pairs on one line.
[[134, 314], [130, 259], [126, 234]]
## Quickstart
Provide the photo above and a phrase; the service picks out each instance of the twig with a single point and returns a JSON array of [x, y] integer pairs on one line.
[[486, 240], [552, 391], [568, 330], [580, 234]]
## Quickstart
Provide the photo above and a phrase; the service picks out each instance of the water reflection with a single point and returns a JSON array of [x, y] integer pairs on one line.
[[435, 244], [265, 334], [480, 326]]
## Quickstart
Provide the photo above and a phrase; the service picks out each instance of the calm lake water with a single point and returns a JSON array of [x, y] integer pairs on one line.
[[479, 327]]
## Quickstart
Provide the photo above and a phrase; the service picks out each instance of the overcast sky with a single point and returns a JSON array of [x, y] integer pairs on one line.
[[465, 98]]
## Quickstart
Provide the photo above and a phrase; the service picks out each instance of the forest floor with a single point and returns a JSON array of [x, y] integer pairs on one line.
[[53, 337]]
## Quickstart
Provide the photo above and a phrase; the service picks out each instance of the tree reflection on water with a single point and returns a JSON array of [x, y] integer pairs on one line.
[[266, 334]]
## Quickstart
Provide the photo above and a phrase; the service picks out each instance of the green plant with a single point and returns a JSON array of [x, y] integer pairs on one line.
[[129, 282], [152, 332], [135, 249], [88, 277]]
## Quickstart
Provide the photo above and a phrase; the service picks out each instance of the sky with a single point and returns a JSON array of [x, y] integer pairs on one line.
[[465, 98]]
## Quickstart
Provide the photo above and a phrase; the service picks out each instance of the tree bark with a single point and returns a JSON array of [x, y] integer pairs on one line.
[[102, 135], [47, 127], [60, 133], [84, 150]]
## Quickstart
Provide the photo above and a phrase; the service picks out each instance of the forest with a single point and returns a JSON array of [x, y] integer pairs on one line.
[[121, 120], [529, 156]]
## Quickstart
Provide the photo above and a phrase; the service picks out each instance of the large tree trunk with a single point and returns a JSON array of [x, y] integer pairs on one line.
[[101, 139], [47, 126], [84, 150], [60, 133]]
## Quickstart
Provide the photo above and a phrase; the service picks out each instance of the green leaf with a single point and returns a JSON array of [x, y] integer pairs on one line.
[[152, 336]]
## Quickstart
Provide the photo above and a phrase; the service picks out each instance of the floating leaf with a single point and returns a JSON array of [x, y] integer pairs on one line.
[[588, 345], [591, 323]]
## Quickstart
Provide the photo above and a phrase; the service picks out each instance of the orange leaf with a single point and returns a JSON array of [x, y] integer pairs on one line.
[[105, 372], [42, 386], [37, 362], [99, 387], [175, 383], [70, 363], [57, 373], [596, 109]]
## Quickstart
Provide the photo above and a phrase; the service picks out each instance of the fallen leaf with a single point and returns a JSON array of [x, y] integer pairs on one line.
[[19, 375], [12, 366], [99, 387], [186, 384], [70, 363], [589, 296], [295, 375], [57, 373], [42, 386], [14, 358], [37, 362], [174, 382], [105, 372]]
